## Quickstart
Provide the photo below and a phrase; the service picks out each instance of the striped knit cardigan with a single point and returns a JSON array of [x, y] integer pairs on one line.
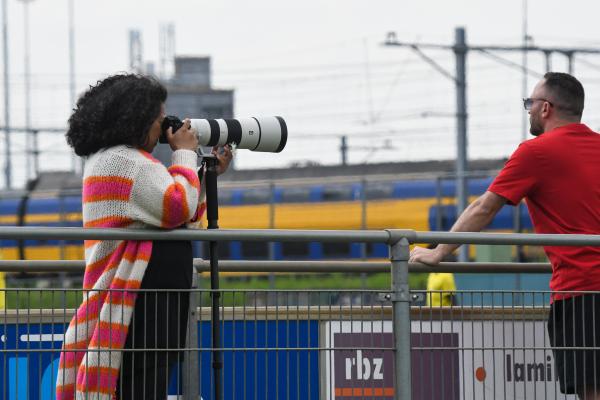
[[122, 187]]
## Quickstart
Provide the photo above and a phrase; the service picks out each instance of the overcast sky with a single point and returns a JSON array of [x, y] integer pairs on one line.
[[318, 63]]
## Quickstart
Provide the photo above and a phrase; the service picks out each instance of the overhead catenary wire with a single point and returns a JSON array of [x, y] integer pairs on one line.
[[304, 88], [510, 63]]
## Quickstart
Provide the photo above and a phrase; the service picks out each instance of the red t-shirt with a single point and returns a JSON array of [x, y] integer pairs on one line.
[[558, 174]]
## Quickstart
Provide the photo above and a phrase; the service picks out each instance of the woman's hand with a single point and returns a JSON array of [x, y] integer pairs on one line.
[[184, 139], [224, 156]]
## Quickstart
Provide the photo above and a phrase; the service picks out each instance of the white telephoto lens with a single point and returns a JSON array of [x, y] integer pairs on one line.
[[265, 134]]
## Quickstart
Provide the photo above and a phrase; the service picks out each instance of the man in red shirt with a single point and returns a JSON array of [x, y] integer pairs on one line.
[[558, 175]]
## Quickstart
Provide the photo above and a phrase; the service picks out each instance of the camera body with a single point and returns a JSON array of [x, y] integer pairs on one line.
[[265, 134]]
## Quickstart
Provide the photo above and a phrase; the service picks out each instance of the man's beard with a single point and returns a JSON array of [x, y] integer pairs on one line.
[[535, 127]]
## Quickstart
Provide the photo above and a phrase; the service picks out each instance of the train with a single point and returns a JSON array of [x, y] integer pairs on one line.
[[373, 202]]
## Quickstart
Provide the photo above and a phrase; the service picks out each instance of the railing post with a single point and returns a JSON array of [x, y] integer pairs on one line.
[[399, 255], [190, 372]]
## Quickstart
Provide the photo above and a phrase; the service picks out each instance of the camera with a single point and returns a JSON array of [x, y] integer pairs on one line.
[[266, 134]]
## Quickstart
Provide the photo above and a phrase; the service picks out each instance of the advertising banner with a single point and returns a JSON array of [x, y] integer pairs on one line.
[[464, 360], [29, 359]]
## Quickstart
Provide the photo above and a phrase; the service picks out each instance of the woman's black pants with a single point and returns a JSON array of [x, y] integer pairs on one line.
[[159, 322]]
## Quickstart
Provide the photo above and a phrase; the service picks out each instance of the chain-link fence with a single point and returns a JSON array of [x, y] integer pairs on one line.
[[301, 344]]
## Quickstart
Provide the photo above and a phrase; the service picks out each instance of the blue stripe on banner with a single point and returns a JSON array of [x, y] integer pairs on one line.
[[48, 391], [17, 389]]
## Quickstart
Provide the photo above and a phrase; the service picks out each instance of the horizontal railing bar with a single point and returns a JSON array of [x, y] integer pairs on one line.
[[370, 266], [77, 266], [263, 235], [283, 350], [483, 267], [207, 291], [501, 238], [26, 350], [365, 313], [282, 235]]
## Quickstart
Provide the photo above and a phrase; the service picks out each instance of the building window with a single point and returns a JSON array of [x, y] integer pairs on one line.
[[216, 113]]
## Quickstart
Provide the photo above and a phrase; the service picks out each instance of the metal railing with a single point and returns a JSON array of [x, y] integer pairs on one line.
[[398, 241]]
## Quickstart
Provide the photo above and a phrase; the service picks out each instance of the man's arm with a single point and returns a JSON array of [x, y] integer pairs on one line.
[[476, 216]]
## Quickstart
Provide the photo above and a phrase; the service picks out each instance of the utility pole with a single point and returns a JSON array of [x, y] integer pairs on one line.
[[524, 126], [462, 192], [7, 165], [461, 49], [72, 73], [344, 150], [36, 153], [35, 150], [72, 53], [27, 81], [524, 87]]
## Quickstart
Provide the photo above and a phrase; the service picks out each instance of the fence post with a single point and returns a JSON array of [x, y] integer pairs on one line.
[[399, 255], [190, 372]]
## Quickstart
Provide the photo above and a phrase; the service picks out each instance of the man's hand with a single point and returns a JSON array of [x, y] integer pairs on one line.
[[425, 256], [476, 217]]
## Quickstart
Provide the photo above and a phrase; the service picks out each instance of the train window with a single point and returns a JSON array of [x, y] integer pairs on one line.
[[224, 250], [226, 197], [414, 189], [377, 250], [255, 250], [256, 196], [379, 190], [295, 249], [336, 250], [295, 194], [337, 193], [479, 185]]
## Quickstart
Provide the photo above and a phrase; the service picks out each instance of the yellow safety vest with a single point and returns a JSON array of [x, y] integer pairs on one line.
[[440, 281]]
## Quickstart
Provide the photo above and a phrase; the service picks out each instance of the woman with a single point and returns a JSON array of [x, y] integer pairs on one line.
[[116, 125]]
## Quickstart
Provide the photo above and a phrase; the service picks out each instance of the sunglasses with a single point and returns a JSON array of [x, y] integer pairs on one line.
[[528, 102]]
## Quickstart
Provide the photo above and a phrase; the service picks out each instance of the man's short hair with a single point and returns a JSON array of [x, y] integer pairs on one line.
[[567, 92]]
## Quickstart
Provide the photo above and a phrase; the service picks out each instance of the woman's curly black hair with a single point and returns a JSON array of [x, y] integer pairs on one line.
[[117, 110]]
